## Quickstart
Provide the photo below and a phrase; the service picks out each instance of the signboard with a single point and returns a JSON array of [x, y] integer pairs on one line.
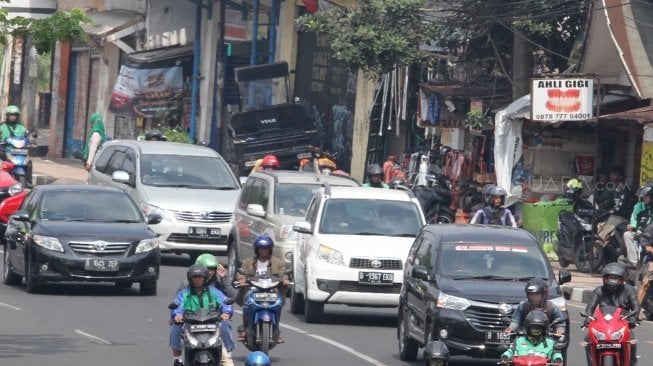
[[562, 99], [144, 93], [646, 168]]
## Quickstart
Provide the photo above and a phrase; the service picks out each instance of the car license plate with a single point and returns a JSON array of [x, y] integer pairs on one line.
[[608, 346], [203, 232], [497, 338], [101, 265], [376, 278], [265, 296]]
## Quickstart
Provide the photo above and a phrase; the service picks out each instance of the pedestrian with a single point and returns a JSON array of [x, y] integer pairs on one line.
[[388, 168], [94, 141]]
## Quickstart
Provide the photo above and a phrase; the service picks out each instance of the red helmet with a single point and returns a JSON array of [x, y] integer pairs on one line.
[[270, 162]]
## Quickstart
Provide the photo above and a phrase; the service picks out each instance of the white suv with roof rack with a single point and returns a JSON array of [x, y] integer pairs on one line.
[[351, 248]]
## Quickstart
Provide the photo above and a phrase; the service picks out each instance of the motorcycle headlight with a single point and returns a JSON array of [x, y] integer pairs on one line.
[[600, 336], [586, 226], [287, 233], [452, 302], [330, 255], [560, 303], [214, 340], [616, 336], [48, 242], [15, 189], [190, 339], [147, 245]]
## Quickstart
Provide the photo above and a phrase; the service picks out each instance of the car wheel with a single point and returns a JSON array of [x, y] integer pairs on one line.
[[313, 311], [148, 288], [232, 261], [124, 284], [32, 284], [296, 302], [407, 346], [10, 278]]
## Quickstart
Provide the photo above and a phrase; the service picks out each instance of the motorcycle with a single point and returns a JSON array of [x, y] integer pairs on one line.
[[264, 303], [202, 341], [560, 345], [18, 154], [471, 198], [436, 200], [610, 338], [12, 194], [576, 239]]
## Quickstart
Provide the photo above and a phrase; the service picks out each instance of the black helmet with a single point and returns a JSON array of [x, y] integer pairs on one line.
[[397, 182], [536, 324], [614, 276], [645, 190], [197, 270], [496, 191], [436, 353], [155, 135], [374, 169], [537, 286], [484, 192]]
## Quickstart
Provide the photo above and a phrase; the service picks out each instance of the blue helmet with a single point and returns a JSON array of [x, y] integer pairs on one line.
[[263, 241], [257, 358]]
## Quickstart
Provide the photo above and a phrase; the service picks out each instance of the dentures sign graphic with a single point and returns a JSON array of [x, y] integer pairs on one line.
[[563, 100]]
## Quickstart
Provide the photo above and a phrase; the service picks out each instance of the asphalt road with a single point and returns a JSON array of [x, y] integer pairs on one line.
[[90, 324]]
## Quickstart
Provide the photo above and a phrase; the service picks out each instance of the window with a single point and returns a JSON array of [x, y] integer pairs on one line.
[[29, 204], [246, 193], [424, 256], [103, 159], [202, 172], [115, 163], [370, 217], [260, 193], [311, 214], [129, 164]]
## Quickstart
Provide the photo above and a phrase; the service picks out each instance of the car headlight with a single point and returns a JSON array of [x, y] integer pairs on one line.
[[15, 189], [153, 210], [616, 336], [330, 255], [600, 336], [452, 302], [48, 243], [560, 303], [287, 233], [147, 245]]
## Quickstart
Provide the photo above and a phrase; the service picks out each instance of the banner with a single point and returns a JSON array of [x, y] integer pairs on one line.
[[145, 93], [646, 168], [562, 99]]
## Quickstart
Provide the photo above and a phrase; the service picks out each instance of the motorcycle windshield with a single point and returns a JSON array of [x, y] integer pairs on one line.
[[17, 142]]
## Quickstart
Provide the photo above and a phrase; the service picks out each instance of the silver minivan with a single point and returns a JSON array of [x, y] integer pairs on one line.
[[191, 187]]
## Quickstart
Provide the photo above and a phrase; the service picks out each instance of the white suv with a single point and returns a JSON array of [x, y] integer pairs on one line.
[[352, 247]]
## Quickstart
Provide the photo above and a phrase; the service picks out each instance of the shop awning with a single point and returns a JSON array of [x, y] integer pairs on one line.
[[112, 25], [160, 54], [642, 115]]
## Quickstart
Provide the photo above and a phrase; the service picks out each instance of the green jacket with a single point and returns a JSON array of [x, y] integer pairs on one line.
[[523, 347], [7, 130], [641, 216]]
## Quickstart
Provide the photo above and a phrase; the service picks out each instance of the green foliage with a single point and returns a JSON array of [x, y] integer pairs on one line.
[[476, 119], [45, 72], [176, 135], [374, 36], [60, 26]]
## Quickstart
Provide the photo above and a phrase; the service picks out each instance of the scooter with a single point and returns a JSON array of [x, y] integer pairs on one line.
[[12, 194], [576, 240], [610, 339], [18, 154], [202, 341], [436, 201], [264, 303]]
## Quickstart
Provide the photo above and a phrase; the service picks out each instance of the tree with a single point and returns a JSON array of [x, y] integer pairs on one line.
[[60, 26]]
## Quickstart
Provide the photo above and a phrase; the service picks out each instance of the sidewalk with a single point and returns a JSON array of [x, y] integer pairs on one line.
[[581, 286], [58, 171]]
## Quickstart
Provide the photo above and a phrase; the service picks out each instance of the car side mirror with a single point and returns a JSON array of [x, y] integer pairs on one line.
[[303, 227], [21, 215], [421, 273], [120, 176], [242, 180], [153, 219], [564, 276], [254, 209]]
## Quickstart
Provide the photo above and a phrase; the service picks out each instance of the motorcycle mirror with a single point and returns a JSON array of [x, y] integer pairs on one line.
[[583, 314], [173, 306], [34, 135], [241, 271], [228, 301], [559, 346]]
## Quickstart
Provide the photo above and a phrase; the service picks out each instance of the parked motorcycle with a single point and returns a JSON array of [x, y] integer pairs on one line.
[[16, 150], [576, 240], [471, 197], [436, 200], [202, 341], [264, 303], [609, 336]]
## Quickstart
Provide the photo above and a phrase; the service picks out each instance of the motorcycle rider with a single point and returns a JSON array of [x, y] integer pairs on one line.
[[197, 295], [493, 213], [155, 135], [375, 177], [535, 342], [263, 261], [257, 358], [646, 241], [619, 206], [615, 292], [641, 217], [12, 127], [537, 292]]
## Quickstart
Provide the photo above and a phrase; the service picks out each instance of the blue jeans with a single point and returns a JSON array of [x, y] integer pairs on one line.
[[177, 336]]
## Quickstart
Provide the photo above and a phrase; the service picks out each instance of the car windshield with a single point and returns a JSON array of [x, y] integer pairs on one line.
[[88, 205], [186, 171], [513, 262], [292, 199], [370, 217]]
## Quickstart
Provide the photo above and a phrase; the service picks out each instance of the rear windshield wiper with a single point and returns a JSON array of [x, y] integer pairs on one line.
[[367, 233], [486, 277], [407, 235]]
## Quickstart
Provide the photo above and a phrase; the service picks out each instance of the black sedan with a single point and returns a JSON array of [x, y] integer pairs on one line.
[[81, 233]]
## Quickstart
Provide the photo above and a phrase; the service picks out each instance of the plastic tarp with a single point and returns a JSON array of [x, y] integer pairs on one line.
[[508, 142]]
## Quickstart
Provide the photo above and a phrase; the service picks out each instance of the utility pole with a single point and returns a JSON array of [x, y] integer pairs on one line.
[[521, 66]]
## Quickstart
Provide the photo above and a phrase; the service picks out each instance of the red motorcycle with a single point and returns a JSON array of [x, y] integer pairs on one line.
[[12, 194], [609, 336]]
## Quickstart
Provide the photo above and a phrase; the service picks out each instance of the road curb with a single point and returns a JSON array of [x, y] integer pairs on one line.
[[39, 179], [577, 294]]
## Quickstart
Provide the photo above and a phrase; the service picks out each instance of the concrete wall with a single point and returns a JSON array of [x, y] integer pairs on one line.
[[170, 23]]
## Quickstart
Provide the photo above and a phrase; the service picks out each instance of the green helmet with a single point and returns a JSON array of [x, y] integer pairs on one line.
[[207, 260], [12, 109]]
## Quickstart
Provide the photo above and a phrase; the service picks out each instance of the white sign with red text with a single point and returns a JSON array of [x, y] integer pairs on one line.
[[562, 99]]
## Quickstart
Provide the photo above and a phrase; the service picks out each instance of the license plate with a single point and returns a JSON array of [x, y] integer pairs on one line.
[[203, 232], [497, 338], [102, 265], [608, 346], [265, 296], [304, 156], [203, 327], [19, 151], [376, 278]]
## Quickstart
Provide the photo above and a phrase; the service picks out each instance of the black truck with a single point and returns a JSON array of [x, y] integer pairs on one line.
[[268, 121]]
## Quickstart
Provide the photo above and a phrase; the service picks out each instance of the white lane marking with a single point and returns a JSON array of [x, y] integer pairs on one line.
[[97, 339], [9, 306], [330, 341], [574, 305]]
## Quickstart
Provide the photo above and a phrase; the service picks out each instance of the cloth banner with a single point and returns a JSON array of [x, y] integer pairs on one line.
[[508, 142], [541, 220], [144, 93]]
